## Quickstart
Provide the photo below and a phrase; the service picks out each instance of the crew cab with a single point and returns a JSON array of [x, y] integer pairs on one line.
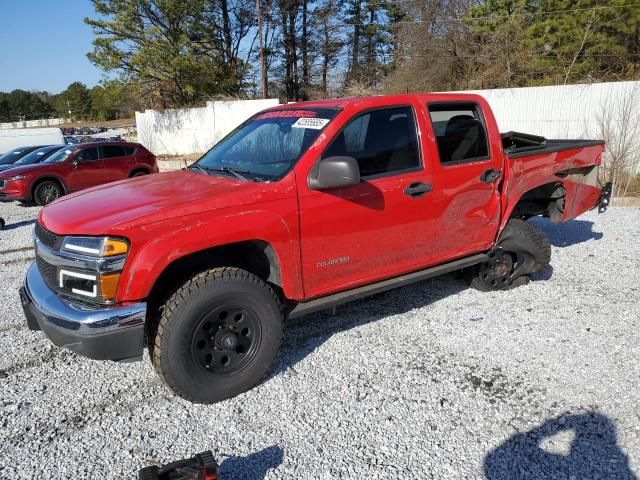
[[74, 168], [302, 207]]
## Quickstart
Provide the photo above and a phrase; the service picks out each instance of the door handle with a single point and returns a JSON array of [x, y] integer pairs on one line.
[[490, 176], [417, 189]]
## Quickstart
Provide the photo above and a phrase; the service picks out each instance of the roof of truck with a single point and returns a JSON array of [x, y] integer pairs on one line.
[[366, 101]]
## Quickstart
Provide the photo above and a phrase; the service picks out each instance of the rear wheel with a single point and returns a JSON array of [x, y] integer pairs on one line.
[[46, 192], [522, 249], [218, 335], [139, 173]]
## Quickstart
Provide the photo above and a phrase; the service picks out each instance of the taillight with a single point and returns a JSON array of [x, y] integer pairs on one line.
[[599, 160]]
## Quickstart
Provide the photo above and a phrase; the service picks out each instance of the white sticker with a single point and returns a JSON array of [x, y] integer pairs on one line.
[[312, 123]]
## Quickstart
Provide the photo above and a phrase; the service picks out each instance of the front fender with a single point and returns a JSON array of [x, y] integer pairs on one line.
[[164, 242]]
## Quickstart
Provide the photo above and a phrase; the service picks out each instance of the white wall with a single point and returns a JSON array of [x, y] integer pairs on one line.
[[194, 130], [564, 111], [45, 122]]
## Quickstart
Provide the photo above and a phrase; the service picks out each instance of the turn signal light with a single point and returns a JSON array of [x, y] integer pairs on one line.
[[113, 246], [109, 286]]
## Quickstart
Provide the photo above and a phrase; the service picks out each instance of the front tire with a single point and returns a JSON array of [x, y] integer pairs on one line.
[[46, 192], [522, 249], [218, 335]]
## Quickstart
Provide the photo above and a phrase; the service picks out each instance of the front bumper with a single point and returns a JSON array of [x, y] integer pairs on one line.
[[102, 333]]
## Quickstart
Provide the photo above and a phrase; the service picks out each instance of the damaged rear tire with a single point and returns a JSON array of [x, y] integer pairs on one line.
[[522, 249]]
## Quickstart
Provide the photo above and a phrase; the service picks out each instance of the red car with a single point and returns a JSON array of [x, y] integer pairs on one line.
[[73, 168], [301, 208]]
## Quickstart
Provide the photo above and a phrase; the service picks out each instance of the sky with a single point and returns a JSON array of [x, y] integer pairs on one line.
[[44, 45]]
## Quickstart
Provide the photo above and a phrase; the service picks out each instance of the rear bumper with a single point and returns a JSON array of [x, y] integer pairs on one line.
[[104, 333]]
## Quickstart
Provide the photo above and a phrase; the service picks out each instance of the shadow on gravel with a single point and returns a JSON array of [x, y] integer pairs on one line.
[[252, 467], [305, 334], [589, 450], [569, 233], [11, 226]]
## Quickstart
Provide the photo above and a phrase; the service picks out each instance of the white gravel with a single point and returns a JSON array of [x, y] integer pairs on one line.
[[430, 381]]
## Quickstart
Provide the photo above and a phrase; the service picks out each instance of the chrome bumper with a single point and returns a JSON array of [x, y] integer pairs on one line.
[[102, 333]]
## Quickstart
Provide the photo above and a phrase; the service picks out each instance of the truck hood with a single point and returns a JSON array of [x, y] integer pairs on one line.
[[134, 202]]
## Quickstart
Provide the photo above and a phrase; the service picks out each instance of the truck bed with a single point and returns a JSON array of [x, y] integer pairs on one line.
[[517, 144]]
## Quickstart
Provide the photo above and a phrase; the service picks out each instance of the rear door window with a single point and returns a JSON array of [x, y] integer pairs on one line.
[[112, 151], [460, 132], [383, 141]]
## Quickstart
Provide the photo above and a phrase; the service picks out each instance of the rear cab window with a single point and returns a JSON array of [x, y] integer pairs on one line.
[[384, 142], [460, 132]]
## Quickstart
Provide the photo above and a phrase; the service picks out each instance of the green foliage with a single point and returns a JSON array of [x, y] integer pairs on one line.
[[21, 105], [557, 41], [165, 45]]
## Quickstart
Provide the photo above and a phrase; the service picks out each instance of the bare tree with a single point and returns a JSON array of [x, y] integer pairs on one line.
[[619, 126]]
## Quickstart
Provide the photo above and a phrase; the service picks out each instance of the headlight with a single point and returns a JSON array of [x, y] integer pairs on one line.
[[93, 283], [16, 177], [95, 246]]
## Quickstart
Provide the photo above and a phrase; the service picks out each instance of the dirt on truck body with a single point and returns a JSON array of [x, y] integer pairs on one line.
[[302, 207]]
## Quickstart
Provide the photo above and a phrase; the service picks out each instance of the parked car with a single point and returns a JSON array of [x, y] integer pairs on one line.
[[74, 168], [34, 155], [302, 208], [12, 156], [22, 137]]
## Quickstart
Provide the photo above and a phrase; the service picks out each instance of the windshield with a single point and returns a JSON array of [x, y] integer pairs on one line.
[[12, 155], [36, 156], [61, 155], [266, 146]]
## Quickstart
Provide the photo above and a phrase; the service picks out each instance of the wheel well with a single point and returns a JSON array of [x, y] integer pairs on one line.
[[255, 256], [547, 200], [44, 179], [138, 170]]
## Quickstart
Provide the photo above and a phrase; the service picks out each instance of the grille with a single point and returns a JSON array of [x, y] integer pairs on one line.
[[49, 272], [48, 238]]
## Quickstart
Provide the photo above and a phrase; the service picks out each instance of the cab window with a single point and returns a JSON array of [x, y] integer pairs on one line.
[[460, 132], [383, 141]]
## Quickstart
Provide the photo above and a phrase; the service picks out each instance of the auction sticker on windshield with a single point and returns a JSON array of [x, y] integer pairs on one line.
[[312, 123]]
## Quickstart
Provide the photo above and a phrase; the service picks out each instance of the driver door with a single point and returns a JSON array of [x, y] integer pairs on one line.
[[380, 227], [86, 169]]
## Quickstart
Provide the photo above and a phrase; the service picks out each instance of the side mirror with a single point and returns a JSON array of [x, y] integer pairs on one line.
[[334, 172]]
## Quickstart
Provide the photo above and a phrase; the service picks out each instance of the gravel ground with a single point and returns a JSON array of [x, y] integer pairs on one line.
[[432, 380]]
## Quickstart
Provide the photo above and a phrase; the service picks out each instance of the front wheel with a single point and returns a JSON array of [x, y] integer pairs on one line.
[[522, 249], [218, 335], [46, 192]]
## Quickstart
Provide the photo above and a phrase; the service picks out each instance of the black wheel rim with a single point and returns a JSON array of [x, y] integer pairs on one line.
[[226, 339], [499, 271], [48, 193]]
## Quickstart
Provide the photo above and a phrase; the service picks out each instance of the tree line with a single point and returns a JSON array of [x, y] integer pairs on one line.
[[108, 101], [180, 52], [175, 53]]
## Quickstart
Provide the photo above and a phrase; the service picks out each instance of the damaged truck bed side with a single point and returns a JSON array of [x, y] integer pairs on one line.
[[302, 207]]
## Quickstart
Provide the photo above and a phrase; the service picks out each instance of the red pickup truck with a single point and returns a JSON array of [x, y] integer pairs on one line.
[[73, 168], [302, 207]]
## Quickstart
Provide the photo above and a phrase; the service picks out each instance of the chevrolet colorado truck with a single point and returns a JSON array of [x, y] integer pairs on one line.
[[302, 207]]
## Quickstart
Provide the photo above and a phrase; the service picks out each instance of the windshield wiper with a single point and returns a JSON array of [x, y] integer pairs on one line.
[[233, 171], [195, 165]]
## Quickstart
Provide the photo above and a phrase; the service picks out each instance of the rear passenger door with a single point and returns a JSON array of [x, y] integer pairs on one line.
[[466, 180], [117, 162], [382, 226]]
